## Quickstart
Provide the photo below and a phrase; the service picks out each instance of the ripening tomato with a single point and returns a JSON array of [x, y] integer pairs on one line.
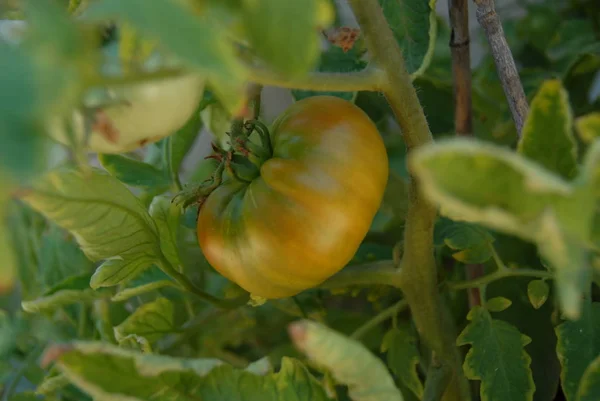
[[303, 218]]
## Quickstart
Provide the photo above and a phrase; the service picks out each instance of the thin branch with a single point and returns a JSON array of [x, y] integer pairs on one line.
[[505, 63], [379, 318], [498, 275], [377, 273]]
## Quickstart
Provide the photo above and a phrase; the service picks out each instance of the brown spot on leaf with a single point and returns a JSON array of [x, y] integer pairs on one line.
[[54, 352], [343, 37], [105, 127]]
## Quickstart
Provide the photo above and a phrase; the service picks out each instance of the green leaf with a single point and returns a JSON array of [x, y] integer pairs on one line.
[[590, 382], [60, 257], [51, 384], [349, 361], [166, 215], [588, 127], [497, 357], [72, 291], [498, 304], [8, 267], [290, 52], [403, 357], [547, 136], [199, 40], [151, 320], [105, 218], [578, 345], [335, 60], [99, 369], [516, 201], [128, 293], [537, 291], [414, 25], [218, 121], [135, 173], [474, 243]]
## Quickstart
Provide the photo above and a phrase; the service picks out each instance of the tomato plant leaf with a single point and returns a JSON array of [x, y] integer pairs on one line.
[[498, 304], [72, 290], [105, 218], [349, 361], [414, 24], [135, 173], [166, 215], [127, 293], [288, 51], [537, 291], [548, 133], [334, 59], [98, 369], [578, 345], [588, 127], [152, 321], [590, 382], [218, 121], [60, 257], [199, 40], [473, 243], [8, 262], [403, 357], [497, 357]]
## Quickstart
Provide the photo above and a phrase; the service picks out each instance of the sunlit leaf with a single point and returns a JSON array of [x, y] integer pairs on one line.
[[578, 345], [414, 25], [99, 369], [152, 321], [547, 136], [403, 357], [588, 126], [166, 215], [498, 304], [497, 357], [105, 218], [349, 361]]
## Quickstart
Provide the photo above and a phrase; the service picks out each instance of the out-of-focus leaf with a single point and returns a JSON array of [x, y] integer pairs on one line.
[[547, 136], [142, 289], [473, 243], [497, 357], [590, 382], [349, 361], [588, 127]]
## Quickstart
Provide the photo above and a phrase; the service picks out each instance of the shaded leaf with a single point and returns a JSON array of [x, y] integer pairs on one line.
[[498, 304], [61, 298], [135, 173], [578, 345], [590, 382], [290, 52], [105, 218], [350, 362], [588, 127], [335, 60], [98, 369], [166, 215], [152, 321], [497, 357], [414, 25], [537, 291], [474, 243], [547, 136], [199, 40], [403, 357]]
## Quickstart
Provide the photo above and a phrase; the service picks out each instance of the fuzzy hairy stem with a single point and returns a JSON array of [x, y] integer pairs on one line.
[[418, 273], [505, 63]]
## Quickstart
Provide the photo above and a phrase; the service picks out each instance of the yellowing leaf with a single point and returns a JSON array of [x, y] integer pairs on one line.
[[497, 357], [498, 304], [349, 361], [548, 134]]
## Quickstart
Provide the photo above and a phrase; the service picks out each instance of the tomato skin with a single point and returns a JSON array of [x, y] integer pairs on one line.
[[304, 217]]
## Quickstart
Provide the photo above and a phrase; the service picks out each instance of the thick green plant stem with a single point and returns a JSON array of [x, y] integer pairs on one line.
[[418, 269]]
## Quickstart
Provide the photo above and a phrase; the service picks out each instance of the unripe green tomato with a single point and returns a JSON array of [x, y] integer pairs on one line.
[[304, 217]]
